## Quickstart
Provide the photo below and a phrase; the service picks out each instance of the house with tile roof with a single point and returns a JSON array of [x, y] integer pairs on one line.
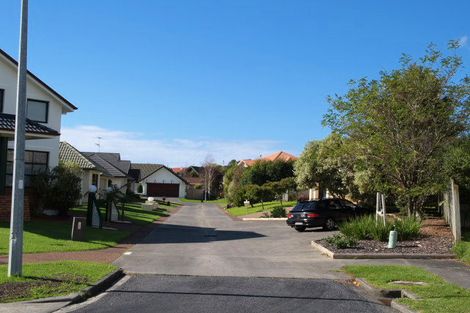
[[45, 108], [98, 168], [277, 156], [157, 180]]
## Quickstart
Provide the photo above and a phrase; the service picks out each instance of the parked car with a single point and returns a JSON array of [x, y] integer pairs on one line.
[[326, 213]]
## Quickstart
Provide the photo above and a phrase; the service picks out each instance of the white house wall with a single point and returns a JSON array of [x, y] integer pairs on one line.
[[164, 176], [34, 91]]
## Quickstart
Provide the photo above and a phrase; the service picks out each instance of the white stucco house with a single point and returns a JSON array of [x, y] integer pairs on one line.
[[156, 180], [102, 170], [45, 108]]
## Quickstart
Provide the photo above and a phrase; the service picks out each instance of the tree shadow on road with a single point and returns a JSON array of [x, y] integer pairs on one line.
[[171, 233]]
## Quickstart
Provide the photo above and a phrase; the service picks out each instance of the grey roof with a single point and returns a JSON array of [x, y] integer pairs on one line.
[[115, 160], [68, 153], [103, 165], [147, 169], [7, 123]]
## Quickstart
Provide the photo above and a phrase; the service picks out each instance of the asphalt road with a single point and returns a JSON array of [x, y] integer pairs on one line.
[[200, 260], [202, 240], [202, 294]]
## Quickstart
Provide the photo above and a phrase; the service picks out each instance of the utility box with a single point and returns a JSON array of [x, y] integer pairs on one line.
[[78, 228]]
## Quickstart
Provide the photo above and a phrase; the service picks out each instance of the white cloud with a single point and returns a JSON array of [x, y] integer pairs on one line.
[[463, 41], [171, 152]]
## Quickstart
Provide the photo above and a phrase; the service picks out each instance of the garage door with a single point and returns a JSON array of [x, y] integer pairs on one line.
[[163, 190]]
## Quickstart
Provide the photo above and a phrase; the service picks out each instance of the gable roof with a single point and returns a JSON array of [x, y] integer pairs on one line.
[[147, 169], [277, 156], [64, 101], [68, 153], [115, 160], [103, 165], [281, 155]]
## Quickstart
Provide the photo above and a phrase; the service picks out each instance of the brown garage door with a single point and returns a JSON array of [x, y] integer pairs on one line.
[[163, 190]]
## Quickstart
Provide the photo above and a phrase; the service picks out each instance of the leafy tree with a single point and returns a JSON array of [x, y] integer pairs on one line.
[[306, 166], [264, 171], [457, 162], [401, 124], [256, 194], [58, 189]]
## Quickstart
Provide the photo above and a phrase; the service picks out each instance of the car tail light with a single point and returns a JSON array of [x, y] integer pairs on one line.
[[290, 215], [313, 215]]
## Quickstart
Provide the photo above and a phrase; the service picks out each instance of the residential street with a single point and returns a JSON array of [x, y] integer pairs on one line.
[[201, 260]]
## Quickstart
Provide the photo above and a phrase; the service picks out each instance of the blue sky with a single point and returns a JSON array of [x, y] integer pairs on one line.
[[174, 81]]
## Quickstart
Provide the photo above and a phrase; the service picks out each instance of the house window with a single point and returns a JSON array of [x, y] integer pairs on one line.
[[38, 110], [110, 182], [35, 162], [94, 180], [2, 93]]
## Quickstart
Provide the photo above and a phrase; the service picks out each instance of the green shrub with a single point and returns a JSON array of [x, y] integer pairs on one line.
[[341, 241], [365, 228], [408, 228], [58, 189], [278, 211]]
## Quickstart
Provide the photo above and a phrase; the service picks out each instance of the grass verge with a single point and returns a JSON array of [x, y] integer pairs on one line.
[[462, 249], [54, 236], [42, 280], [268, 206], [437, 296]]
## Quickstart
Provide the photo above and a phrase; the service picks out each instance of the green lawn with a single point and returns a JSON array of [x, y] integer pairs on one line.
[[268, 206], [42, 280], [133, 212], [437, 297], [462, 249], [54, 236], [51, 236]]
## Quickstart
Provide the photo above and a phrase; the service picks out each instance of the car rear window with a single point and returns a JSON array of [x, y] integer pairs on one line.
[[305, 206]]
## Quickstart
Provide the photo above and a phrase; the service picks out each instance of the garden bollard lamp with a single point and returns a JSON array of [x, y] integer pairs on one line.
[[392, 238]]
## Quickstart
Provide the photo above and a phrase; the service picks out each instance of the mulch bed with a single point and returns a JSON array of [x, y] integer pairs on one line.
[[436, 238]]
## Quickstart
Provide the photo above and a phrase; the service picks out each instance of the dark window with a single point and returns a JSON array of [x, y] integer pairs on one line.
[[2, 93], [333, 205], [305, 206], [94, 180], [38, 110], [35, 162], [110, 182], [348, 205]]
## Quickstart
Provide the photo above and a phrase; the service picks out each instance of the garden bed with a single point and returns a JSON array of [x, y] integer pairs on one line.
[[430, 239], [425, 245]]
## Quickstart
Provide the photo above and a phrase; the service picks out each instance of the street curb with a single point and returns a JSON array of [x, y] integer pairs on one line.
[[379, 293], [80, 296], [334, 255], [99, 287], [264, 218], [400, 307]]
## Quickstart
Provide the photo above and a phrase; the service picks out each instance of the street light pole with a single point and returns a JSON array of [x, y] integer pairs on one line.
[[15, 258]]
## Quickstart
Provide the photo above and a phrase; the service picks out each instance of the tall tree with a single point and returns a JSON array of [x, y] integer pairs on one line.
[[401, 124]]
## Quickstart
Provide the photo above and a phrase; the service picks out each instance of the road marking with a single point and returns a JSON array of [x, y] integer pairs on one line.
[[127, 253]]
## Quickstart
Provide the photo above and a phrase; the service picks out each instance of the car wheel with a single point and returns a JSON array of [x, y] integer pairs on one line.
[[300, 228], [329, 224]]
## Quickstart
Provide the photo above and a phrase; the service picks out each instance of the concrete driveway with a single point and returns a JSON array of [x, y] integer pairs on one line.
[[200, 239]]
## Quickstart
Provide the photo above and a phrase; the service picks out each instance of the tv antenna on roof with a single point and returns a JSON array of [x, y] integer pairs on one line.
[[99, 143]]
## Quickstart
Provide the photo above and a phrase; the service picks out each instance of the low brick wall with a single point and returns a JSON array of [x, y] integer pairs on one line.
[[5, 206]]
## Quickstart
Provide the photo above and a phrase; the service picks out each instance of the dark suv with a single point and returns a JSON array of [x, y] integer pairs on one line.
[[326, 213]]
